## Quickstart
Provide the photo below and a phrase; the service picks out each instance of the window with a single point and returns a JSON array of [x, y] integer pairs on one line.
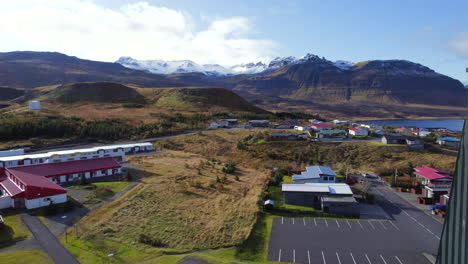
[[46, 199], [331, 178], [325, 178]]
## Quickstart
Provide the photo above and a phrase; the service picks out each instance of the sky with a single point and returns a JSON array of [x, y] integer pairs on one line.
[[433, 33]]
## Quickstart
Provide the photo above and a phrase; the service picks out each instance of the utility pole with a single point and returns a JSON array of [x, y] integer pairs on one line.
[[396, 174]]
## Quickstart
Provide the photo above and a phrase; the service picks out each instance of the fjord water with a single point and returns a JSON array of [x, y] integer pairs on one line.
[[452, 124]]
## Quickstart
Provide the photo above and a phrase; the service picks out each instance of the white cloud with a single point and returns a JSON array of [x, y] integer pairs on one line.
[[459, 44], [85, 29]]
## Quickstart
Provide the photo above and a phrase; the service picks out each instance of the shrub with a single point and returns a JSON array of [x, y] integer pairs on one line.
[[229, 168], [83, 180], [127, 176], [103, 192], [154, 242]]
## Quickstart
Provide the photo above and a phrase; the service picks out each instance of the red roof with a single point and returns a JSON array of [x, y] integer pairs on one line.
[[34, 177], [431, 173], [322, 125], [355, 129], [402, 128]]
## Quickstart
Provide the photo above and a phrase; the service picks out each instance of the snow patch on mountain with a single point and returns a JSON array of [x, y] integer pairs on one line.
[[343, 65]]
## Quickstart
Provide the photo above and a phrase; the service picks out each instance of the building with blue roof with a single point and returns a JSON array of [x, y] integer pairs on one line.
[[315, 174]]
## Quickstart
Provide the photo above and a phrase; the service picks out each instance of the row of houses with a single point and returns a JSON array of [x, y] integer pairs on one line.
[[29, 181], [317, 187]]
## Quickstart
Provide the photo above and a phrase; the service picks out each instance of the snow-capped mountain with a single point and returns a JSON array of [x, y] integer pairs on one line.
[[168, 67], [396, 67]]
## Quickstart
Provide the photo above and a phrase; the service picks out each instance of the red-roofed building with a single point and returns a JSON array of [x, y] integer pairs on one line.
[[358, 131], [435, 182], [33, 186], [321, 126]]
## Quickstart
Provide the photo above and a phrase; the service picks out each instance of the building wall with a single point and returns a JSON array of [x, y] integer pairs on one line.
[[307, 181], [301, 198], [5, 202], [344, 208], [45, 201]]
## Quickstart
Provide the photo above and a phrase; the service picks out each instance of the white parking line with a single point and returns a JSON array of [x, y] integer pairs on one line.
[[303, 220], [338, 257], [437, 236], [338, 224], [398, 259], [349, 224], [368, 259], [279, 257], [353, 258], [315, 222], [406, 213], [383, 225], [371, 224], [421, 224], [308, 256], [294, 255], [383, 259], [282, 220], [359, 222], [326, 223], [293, 220], [429, 231], [394, 225], [323, 257]]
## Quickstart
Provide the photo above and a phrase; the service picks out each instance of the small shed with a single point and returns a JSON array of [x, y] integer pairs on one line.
[[34, 105]]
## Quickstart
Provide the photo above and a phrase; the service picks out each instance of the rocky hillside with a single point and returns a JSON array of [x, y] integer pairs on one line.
[[24, 69]]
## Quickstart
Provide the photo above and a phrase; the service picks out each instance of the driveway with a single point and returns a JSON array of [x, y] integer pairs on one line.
[[48, 241]]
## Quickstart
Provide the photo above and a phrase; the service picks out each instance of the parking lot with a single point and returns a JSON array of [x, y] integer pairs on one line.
[[330, 241]]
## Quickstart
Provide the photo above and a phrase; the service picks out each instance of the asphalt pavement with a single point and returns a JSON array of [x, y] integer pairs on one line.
[[48, 241]]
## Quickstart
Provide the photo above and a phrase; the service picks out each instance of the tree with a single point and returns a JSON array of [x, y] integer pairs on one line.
[[127, 176]]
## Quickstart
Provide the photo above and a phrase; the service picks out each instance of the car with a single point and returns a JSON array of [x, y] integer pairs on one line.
[[369, 175], [438, 206]]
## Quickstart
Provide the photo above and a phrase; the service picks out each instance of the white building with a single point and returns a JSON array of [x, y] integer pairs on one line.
[[302, 128], [11, 152], [358, 131], [340, 122], [118, 152], [34, 105]]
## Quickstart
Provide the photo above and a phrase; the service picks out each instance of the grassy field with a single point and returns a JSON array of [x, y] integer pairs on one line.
[[14, 230], [116, 186], [25, 257]]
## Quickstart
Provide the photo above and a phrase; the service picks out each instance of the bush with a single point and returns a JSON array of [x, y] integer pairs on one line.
[[277, 178], [103, 192], [229, 168], [127, 176], [83, 180], [154, 242]]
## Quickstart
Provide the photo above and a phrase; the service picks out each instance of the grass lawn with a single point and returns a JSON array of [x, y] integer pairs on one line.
[[14, 230], [25, 257], [116, 186]]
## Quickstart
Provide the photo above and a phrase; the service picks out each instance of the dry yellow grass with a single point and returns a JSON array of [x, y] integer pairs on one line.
[[179, 208]]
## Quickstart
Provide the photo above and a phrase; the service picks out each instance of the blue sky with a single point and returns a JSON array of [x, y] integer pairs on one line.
[[433, 33]]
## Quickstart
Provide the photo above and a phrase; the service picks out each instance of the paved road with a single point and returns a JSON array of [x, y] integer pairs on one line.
[[48, 241], [414, 221]]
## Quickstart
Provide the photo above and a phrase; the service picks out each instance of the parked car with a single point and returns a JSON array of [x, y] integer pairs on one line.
[[438, 206], [369, 175]]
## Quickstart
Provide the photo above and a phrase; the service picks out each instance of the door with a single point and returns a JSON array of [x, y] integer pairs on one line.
[[19, 203]]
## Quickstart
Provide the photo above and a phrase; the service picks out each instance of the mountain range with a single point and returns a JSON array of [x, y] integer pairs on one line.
[[380, 88]]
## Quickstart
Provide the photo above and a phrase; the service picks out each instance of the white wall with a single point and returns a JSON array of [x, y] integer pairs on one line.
[[5, 202], [40, 202]]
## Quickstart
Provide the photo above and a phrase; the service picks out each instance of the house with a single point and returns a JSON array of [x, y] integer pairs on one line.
[[321, 126], [259, 123], [331, 133], [340, 122], [315, 174], [118, 152], [378, 133], [447, 141], [334, 198], [435, 182], [287, 136], [373, 126], [302, 128], [315, 121], [361, 132], [414, 142], [403, 130], [422, 133], [224, 123], [288, 124], [33, 186]]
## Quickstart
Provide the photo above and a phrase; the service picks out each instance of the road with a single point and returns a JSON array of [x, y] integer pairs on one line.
[[414, 222], [48, 241]]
